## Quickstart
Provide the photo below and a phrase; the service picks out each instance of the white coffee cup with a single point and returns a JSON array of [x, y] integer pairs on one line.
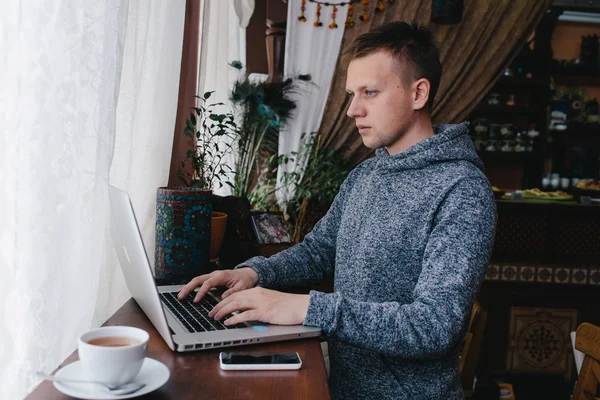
[[114, 354]]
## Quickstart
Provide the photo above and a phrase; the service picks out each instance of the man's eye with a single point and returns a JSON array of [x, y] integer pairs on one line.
[[350, 94], [370, 93]]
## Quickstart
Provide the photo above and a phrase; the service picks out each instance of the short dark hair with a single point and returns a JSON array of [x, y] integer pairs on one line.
[[411, 43]]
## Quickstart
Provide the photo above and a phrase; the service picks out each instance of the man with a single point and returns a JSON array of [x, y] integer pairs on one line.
[[407, 239]]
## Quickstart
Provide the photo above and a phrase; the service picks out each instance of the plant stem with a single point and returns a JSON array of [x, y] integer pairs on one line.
[[255, 150], [304, 205]]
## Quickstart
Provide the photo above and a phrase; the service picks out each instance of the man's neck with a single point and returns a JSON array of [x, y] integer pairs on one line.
[[417, 132]]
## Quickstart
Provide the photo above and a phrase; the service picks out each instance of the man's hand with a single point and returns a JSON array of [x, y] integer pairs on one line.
[[264, 305], [236, 280]]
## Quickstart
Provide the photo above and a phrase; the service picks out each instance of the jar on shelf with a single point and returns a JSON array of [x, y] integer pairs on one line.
[[530, 143], [481, 127], [532, 132], [508, 146], [521, 142], [511, 100], [493, 99], [507, 131], [480, 131], [546, 181], [491, 145], [495, 131], [554, 180]]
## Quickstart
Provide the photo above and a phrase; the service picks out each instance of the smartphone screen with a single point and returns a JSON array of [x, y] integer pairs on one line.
[[259, 358]]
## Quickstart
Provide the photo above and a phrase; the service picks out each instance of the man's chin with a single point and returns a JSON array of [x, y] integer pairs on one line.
[[370, 144]]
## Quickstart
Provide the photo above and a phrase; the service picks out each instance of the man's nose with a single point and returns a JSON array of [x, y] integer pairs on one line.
[[355, 110]]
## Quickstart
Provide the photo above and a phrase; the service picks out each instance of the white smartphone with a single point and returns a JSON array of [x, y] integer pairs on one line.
[[257, 361]]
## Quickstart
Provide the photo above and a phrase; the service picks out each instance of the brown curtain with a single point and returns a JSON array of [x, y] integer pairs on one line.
[[474, 53], [188, 86]]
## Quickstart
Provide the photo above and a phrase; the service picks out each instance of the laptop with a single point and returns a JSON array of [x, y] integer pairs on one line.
[[184, 325]]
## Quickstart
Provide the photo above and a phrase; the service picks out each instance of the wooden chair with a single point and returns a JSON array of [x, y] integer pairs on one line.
[[588, 342], [471, 348]]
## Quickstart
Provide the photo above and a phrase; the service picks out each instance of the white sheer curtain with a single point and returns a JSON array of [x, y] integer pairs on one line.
[[88, 88], [223, 41], [314, 51]]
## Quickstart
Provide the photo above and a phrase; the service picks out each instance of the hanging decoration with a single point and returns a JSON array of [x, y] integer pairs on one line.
[[302, 18], [364, 16], [350, 18], [333, 25], [318, 22]]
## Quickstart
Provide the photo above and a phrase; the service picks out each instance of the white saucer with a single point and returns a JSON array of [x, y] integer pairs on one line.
[[153, 373]]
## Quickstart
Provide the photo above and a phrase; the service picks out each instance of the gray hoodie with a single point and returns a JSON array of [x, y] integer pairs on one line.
[[407, 240]]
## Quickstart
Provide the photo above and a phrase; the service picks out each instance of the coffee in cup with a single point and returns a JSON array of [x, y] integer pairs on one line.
[[114, 354], [113, 341]]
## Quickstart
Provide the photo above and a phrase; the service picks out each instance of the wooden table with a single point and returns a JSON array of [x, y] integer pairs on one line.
[[197, 375]]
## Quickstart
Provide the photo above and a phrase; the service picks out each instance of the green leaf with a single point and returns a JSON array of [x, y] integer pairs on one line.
[[193, 119], [217, 117], [207, 95]]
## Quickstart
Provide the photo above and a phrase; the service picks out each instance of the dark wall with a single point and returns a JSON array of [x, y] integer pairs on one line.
[[274, 11], [256, 51]]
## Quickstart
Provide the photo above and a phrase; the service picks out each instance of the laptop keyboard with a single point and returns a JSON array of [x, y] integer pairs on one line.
[[194, 316]]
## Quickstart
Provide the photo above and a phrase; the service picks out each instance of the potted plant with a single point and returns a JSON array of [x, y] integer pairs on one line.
[[213, 134], [262, 107], [188, 233], [315, 185]]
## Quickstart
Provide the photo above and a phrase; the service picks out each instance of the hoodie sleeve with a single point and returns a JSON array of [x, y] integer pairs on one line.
[[454, 263], [309, 261]]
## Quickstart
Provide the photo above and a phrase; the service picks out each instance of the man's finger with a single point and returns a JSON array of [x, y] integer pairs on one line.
[[235, 305], [236, 288], [205, 288], [220, 305], [249, 315], [191, 285]]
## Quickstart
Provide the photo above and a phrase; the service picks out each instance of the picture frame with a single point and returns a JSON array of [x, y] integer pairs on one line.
[[269, 227]]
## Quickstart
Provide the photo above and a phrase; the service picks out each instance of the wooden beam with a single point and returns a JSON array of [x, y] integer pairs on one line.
[[188, 86], [275, 41]]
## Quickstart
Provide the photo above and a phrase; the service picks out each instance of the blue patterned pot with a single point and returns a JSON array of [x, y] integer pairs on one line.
[[183, 225]]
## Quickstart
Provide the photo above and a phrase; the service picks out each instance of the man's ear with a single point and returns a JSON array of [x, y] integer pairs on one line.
[[421, 93]]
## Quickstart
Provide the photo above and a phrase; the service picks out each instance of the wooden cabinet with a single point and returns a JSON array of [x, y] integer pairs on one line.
[[542, 282]]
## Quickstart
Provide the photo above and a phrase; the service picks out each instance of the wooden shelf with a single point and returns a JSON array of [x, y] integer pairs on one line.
[[509, 156], [570, 80], [580, 130], [574, 136], [522, 81], [576, 70], [577, 75], [504, 109]]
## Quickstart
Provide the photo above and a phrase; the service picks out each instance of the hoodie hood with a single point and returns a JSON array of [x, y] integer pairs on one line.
[[451, 142]]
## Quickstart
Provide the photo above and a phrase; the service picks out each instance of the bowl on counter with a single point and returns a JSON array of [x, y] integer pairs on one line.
[[498, 193]]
